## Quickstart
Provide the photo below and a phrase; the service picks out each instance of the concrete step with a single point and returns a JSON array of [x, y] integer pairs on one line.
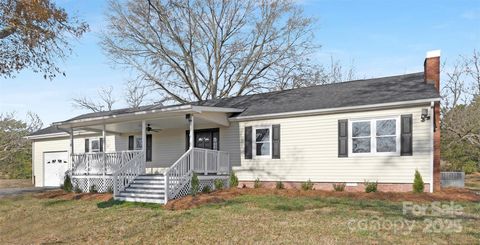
[[141, 195], [137, 199]]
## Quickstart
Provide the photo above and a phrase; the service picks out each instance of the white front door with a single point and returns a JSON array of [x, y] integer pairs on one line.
[[56, 164]]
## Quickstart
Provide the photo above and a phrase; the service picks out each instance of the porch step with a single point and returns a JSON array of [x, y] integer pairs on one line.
[[145, 188], [136, 199], [141, 194]]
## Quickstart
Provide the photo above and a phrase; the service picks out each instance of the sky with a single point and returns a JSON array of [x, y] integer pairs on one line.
[[379, 37]]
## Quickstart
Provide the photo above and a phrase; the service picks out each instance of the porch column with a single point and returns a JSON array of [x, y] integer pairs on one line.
[[192, 128], [144, 140], [104, 136], [71, 149]]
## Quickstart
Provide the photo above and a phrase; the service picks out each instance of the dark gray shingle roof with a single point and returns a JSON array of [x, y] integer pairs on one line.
[[47, 130], [353, 93]]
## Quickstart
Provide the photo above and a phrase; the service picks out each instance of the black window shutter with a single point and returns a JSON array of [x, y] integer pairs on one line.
[[276, 141], [149, 148], [343, 138], [101, 144], [87, 145], [248, 142], [130, 142], [406, 135]]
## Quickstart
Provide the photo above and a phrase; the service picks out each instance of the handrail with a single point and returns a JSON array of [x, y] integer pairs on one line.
[[178, 175], [208, 161], [125, 174], [97, 163]]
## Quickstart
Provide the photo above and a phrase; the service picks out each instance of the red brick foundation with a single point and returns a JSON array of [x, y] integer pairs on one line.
[[384, 187]]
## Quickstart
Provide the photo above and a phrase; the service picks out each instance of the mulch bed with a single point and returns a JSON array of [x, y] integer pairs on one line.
[[60, 194], [189, 202]]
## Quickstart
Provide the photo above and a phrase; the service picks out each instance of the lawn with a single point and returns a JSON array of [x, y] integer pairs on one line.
[[472, 181], [13, 183], [243, 219]]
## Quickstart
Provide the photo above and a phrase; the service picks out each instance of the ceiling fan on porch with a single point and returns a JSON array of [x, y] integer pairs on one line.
[[150, 129]]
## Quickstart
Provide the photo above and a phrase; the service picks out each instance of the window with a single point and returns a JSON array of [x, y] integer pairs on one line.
[[263, 140], [138, 142], [375, 136], [95, 145]]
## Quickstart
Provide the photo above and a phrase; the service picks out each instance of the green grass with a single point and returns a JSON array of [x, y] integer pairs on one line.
[[245, 219]]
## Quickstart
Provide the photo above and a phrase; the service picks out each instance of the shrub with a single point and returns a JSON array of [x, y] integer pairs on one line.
[[370, 186], [279, 185], [233, 180], [306, 186], [257, 184], [77, 189], [93, 189], [418, 184], [470, 167], [67, 184], [195, 184], [110, 189], [206, 189], [339, 186], [218, 183]]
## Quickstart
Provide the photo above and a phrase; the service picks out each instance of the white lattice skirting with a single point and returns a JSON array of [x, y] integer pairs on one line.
[[87, 183]]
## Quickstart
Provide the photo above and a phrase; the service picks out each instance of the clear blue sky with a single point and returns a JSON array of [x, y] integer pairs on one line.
[[382, 38]]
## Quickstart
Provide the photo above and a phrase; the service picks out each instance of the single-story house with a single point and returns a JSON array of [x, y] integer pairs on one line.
[[380, 129]]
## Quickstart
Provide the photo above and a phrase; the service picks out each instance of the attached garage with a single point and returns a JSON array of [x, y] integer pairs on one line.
[[55, 165]]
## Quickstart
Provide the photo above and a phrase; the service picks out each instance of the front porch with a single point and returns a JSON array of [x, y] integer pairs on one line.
[[168, 145]]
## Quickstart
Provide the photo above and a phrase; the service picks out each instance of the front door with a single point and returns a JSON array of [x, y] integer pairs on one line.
[[206, 139]]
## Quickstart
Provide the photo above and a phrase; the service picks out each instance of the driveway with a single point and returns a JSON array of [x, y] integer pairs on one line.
[[5, 192]]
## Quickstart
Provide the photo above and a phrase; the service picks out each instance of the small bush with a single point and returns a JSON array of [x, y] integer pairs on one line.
[[257, 184], [470, 167], [339, 186], [195, 185], [370, 186], [67, 184], [418, 184], [218, 183], [110, 189], [206, 189], [279, 185], [93, 189], [233, 180], [77, 189], [306, 186]]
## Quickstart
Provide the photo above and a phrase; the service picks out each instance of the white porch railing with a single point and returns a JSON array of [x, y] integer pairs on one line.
[[211, 162], [197, 160], [100, 163], [123, 176]]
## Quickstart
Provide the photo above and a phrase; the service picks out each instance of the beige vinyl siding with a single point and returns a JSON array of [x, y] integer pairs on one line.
[[41, 146], [309, 150]]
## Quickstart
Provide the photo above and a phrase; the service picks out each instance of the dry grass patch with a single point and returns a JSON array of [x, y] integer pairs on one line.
[[14, 183], [62, 195], [472, 181]]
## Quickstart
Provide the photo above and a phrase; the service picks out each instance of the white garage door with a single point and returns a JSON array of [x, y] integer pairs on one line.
[[56, 164]]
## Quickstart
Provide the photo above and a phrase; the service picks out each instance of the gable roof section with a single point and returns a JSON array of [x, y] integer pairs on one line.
[[401, 88], [409, 87], [47, 130]]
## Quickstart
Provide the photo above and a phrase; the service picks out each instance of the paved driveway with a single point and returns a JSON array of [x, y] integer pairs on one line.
[[23, 190]]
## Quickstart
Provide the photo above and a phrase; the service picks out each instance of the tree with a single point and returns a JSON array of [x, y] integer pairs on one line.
[[15, 150], [34, 34], [136, 93], [105, 102], [207, 49]]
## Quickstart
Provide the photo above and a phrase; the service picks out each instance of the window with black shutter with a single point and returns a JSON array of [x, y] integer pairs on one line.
[[276, 141], [406, 135], [248, 143], [342, 138], [131, 141], [87, 145], [149, 148]]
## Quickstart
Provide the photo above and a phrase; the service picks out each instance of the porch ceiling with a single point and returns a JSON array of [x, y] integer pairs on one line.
[[201, 120]]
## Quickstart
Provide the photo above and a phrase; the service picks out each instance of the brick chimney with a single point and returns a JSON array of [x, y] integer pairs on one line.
[[432, 68], [432, 76]]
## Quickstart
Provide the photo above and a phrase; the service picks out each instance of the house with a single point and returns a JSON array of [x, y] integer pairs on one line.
[[380, 129]]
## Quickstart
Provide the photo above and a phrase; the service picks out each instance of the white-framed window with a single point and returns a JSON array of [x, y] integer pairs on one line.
[[379, 136], [138, 143], [95, 145], [262, 141]]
